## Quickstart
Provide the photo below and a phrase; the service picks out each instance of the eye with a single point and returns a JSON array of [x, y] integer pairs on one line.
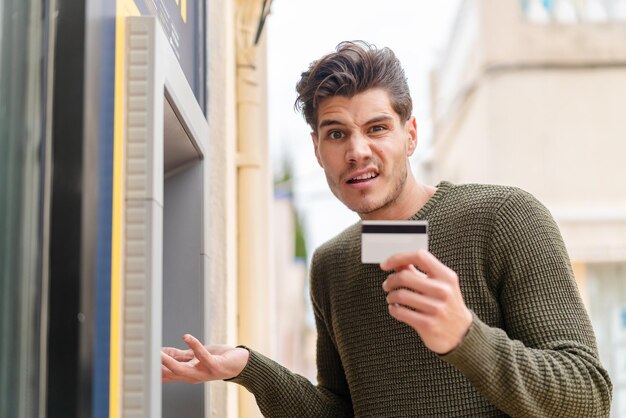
[[378, 128], [335, 134]]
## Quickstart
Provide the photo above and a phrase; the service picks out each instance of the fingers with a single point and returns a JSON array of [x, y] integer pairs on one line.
[[167, 375], [414, 319], [179, 355], [199, 364], [174, 371], [184, 356], [424, 261], [413, 300], [429, 299], [192, 366], [418, 282], [200, 351]]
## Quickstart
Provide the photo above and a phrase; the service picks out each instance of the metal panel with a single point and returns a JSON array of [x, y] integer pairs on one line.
[[164, 129], [143, 245]]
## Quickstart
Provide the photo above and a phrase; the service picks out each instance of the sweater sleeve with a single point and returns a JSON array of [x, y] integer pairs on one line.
[[281, 393], [545, 362]]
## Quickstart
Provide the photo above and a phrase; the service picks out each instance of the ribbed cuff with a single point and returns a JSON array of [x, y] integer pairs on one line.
[[473, 356], [259, 374]]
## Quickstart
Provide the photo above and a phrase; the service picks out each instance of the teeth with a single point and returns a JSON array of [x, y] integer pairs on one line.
[[365, 176]]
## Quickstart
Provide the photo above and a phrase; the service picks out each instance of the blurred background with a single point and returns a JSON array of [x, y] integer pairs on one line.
[[155, 178], [525, 93]]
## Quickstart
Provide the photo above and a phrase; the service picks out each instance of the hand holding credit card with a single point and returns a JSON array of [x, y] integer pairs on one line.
[[382, 239]]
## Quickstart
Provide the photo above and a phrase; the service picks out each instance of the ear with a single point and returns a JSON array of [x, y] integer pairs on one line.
[[315, 139], [411, 130]]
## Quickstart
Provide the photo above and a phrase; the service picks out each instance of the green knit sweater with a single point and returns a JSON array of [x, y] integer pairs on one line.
[[530, 351]]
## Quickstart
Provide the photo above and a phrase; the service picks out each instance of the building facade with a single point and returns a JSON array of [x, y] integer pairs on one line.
[[530, 94], [135, 201]]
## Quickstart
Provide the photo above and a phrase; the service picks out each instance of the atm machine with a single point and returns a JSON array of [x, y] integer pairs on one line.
[[164, 235], [107, 192]]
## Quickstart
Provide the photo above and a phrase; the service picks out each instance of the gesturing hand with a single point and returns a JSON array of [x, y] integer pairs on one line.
[[430, 302], [201, 364]]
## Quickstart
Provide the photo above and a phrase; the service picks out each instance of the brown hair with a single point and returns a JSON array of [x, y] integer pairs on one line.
[[353, 68]]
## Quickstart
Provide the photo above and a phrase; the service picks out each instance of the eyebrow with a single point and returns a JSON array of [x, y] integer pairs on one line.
[[382, 118], [327, 122]]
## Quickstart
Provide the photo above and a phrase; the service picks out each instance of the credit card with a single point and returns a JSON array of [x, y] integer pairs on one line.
[[382, 239]]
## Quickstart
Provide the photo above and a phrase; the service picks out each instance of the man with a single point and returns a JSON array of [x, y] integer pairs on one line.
[[488, 323]]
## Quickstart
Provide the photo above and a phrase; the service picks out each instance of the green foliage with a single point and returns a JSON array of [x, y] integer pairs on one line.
[[300, 241]]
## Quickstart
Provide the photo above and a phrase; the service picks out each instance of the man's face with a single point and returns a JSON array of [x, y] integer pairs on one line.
[[363, 147]]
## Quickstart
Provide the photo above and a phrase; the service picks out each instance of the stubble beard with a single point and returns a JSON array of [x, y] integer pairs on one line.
[[365, 208]]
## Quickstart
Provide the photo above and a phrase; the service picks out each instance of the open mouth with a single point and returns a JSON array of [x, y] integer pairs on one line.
[[362, 178]]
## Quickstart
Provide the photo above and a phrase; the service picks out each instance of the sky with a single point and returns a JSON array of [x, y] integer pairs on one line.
[[299, 32]]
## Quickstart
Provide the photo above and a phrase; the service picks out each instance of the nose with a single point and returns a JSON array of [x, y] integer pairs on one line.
[[358, 149]]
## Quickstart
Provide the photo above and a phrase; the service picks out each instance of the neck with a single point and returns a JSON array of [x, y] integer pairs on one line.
[[410, 200]]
